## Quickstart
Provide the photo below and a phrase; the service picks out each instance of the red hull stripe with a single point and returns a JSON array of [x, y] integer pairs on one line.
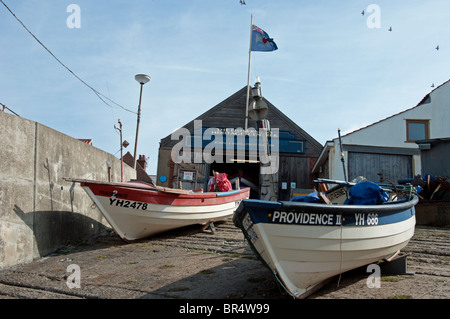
[[163, 198]]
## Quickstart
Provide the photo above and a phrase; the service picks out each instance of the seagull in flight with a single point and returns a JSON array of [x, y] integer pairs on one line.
[[242, 2], [362, 13], [437, 48], [390, 29]]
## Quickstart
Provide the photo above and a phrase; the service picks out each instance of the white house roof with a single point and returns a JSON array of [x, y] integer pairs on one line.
[[423, 101], [330, 144]]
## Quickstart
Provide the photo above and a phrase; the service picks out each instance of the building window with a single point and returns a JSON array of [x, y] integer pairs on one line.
[[417, 130]]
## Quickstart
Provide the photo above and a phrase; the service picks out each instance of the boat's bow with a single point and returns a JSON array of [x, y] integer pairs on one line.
[[304, 244], [136, 210]]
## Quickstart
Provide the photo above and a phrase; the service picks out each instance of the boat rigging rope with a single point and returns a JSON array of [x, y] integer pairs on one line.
[[435, 288], [101, 96]]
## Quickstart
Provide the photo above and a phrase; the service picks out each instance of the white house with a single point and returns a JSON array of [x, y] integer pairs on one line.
[[387, 149]]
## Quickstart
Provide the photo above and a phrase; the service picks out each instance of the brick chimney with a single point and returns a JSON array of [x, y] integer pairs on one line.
[[142, 161]]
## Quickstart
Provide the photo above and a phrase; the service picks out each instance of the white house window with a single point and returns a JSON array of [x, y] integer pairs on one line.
[[417, 130]]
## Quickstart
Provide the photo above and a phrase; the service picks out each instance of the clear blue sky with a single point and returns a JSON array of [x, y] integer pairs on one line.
[[334, 68]]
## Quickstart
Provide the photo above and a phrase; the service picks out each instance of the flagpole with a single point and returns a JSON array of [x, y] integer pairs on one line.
[[248, 76]]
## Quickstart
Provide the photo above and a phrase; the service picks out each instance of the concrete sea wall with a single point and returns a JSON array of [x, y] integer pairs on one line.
[[39, 210]]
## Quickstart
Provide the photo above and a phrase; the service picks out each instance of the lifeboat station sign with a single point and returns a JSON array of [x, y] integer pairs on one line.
[[241, 139]]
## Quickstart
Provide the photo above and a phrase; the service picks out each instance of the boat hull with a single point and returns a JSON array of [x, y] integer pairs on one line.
[[306, 244], [137, 211]]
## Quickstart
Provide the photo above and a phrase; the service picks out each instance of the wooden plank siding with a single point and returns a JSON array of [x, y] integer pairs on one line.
[[293, 169], [369, 165]]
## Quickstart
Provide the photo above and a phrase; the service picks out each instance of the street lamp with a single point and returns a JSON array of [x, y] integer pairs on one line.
[[142, 79]]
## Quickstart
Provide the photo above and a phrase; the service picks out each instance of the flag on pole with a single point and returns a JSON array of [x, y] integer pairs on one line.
[[261, 40]]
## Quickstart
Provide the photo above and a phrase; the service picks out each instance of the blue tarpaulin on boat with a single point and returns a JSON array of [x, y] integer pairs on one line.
[[310, 198], [366, 193]]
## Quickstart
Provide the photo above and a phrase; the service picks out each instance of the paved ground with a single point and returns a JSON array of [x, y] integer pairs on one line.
[[192, 263]]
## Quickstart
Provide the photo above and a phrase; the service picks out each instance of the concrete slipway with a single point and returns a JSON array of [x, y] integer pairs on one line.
[[193, 263]]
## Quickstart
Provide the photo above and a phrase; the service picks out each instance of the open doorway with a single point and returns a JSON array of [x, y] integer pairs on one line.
[[248, 174]]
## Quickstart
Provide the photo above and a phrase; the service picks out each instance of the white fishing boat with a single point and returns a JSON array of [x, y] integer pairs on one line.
[[305, 243], [136, 210]]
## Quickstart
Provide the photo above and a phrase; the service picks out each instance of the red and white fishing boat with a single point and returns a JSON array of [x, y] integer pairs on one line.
[[136, 210]]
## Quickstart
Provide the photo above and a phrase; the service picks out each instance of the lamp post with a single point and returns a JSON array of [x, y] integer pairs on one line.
[[142, 79]]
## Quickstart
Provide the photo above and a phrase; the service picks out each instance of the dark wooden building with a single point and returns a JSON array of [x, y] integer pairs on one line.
[[434, 155], [298, 151]]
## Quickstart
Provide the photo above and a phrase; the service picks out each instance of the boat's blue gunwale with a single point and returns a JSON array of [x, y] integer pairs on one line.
[[312, 214], [251, 212], [232, 192]]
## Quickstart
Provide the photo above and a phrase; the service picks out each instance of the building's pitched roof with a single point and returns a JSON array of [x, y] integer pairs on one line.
[[425, 100], [231, 113]]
